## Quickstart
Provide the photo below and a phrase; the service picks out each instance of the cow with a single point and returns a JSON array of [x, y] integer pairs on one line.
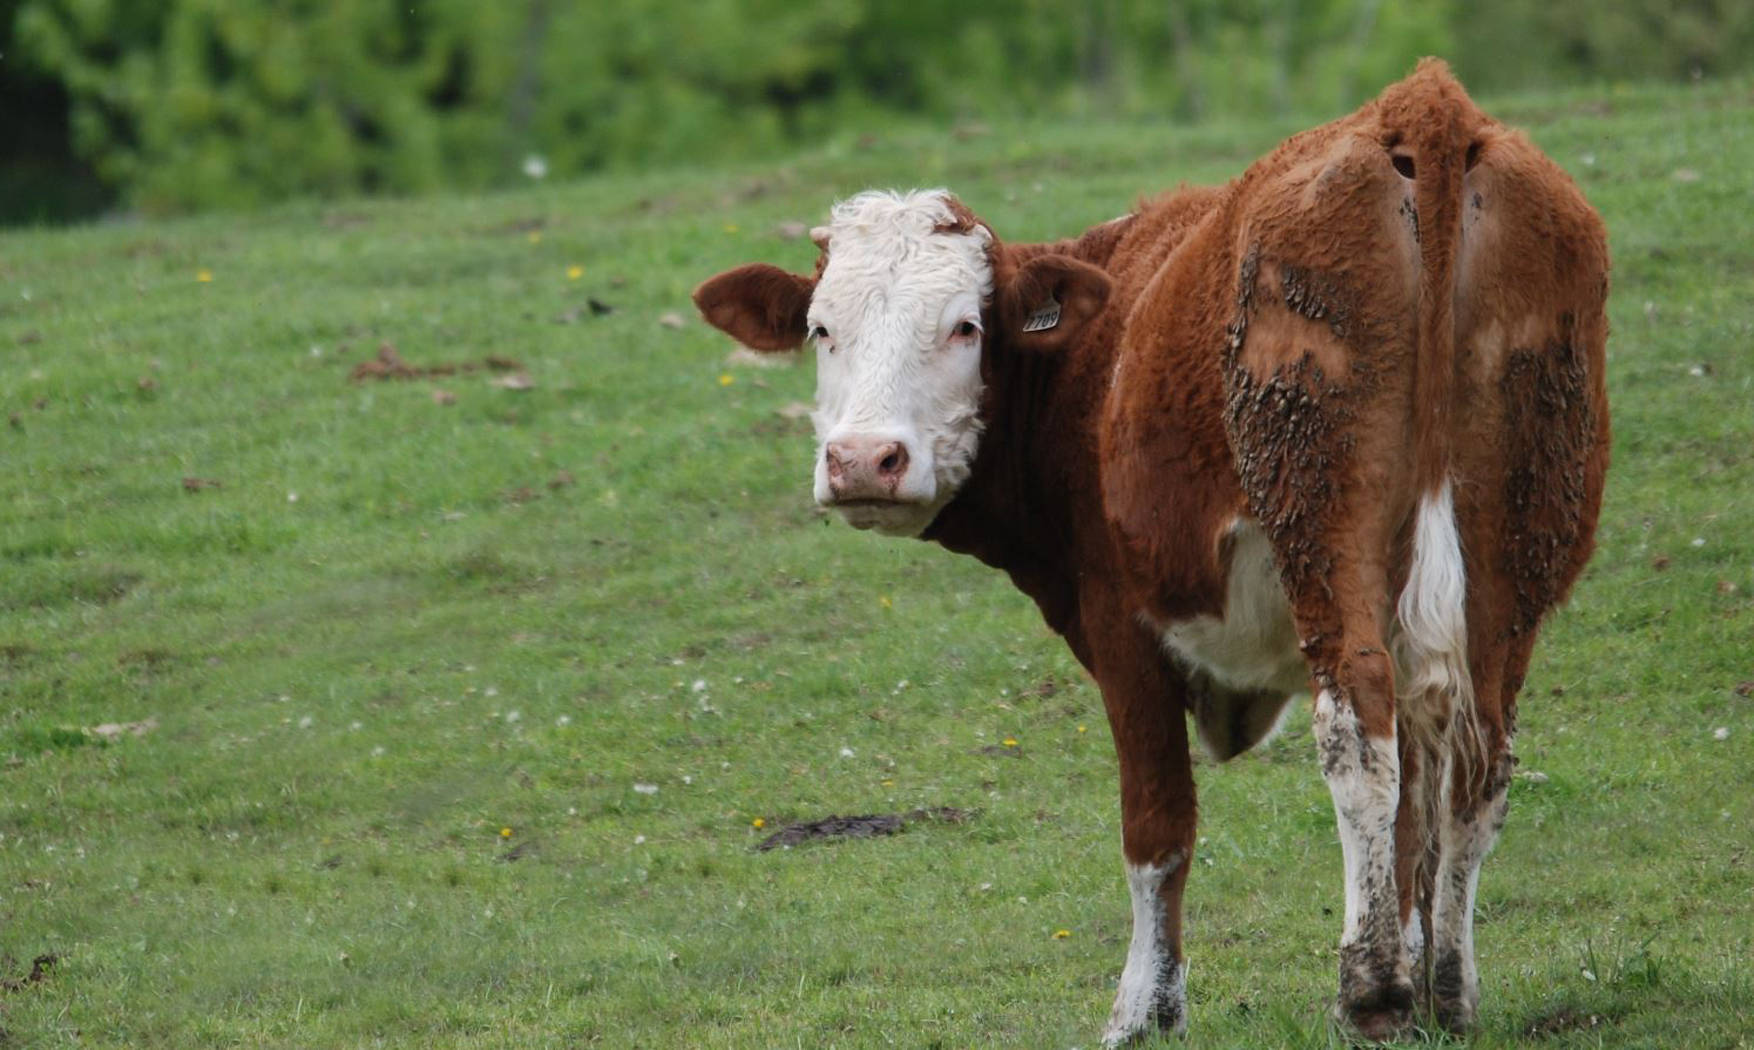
[[1337, 428]]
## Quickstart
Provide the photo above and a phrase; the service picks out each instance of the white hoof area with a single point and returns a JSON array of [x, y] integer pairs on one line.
[[1148, 1002]]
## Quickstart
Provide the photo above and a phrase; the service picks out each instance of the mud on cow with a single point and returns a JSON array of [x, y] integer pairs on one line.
[[1337, 428]]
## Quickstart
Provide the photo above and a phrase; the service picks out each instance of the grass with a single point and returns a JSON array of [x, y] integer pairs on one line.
[[407, 673]]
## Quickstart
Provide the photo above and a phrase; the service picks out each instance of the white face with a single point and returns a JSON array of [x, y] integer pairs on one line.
[[896, 322]]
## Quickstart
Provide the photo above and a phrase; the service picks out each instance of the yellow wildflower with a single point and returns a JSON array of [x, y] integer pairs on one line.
[[505, 833], [758, 823], [204, 275], [884, 601], [1010, 741], [1060, 935], [1080, 729], [726, 379], [574, 272]]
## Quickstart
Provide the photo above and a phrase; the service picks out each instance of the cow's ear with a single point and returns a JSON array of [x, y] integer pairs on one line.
[[1045, 302], [761, 306]]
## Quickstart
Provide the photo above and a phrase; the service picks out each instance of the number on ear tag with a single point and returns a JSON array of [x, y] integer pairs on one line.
[[1044, 318]]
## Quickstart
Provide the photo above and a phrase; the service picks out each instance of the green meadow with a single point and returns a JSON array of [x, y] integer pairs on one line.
[[441, 709]]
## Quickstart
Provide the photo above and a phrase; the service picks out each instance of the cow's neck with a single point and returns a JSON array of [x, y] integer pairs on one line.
[[1033, 497]]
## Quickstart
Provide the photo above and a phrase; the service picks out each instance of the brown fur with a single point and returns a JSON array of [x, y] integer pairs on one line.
[[1315, 345]]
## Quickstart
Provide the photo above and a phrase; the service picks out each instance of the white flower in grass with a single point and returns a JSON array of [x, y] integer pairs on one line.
[[646, 789], [536, 166]]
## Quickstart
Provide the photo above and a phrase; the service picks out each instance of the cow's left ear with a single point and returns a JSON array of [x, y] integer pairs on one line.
[[761, 306], [1045, 302]]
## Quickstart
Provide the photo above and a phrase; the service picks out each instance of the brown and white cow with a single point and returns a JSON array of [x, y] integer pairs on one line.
[[1338, 426]]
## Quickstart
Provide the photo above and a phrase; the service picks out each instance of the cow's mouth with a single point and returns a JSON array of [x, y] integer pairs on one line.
[[869, 504], [893, 516]]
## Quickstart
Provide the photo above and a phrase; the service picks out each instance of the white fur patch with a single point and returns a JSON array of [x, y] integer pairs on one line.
[[1364, 776], [1254, 645], [889, 368], [1153, 984]]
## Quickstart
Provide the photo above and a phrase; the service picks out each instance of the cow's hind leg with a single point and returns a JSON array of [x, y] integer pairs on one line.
[[1470, 825], [1361, 764], [1469, 820]]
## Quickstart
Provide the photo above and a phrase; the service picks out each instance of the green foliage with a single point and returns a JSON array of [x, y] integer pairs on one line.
[[196, 103], [185, 104], [215, 102], [1523, 43]]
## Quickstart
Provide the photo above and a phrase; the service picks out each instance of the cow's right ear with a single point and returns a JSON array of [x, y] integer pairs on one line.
[[761, 306]]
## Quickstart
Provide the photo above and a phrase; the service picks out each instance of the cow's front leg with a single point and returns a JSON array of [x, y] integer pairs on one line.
[[1157, 837], [1361, 764]]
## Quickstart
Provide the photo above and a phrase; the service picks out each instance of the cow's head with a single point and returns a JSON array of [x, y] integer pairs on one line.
[[910, 291]]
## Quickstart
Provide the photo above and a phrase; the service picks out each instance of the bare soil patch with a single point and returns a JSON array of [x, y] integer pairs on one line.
[[862, 827]]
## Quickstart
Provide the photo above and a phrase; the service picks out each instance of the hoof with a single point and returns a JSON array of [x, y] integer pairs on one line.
[[1381, 1014], [1141, 1010], [1456, 1020], [1455, 995], [1378, 1026], [1376, 993], [1169, 1024]]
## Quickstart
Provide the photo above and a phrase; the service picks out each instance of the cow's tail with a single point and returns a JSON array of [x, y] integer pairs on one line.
[[1436, 714]]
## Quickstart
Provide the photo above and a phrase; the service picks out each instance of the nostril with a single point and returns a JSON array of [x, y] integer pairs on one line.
[[893, 461]]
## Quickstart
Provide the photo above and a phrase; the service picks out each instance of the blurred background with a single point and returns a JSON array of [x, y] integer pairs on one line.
[[120, 107]]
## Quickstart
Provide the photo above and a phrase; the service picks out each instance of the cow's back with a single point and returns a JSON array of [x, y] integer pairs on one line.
[[1274, 366]]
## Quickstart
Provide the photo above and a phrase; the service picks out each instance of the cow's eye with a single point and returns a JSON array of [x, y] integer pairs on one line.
[[819, 334], [965, 330]]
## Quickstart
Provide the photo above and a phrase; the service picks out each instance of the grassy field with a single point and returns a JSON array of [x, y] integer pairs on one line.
[[441, 711]]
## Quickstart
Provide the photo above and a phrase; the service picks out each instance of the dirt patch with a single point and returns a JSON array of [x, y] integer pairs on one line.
[[1049, 686], [593, 306], [389, 364], [1561, 1020], [518, 852], [39, 972], [864, 827], [999, 751], [113, 731]]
